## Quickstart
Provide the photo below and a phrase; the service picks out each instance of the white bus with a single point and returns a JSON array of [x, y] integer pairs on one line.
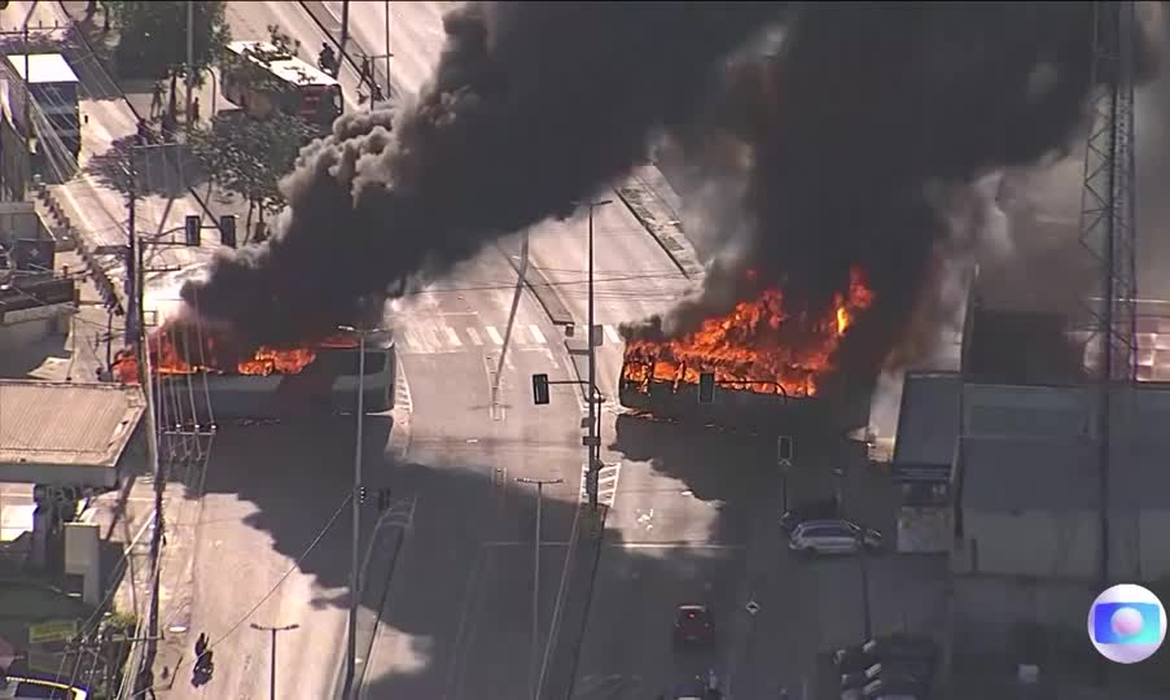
[[261, 78]]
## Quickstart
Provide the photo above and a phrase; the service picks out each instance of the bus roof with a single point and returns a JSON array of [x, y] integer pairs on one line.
[[288, 68], [43, 68]]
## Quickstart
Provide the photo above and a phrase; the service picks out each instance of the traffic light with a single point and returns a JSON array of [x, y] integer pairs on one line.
[[707, 387], [192, 227], [227, 230], [383, 499], [362, 495], [540, 389], [784, 449]]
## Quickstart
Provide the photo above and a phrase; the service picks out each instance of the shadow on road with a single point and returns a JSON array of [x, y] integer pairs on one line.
[[162, 169]]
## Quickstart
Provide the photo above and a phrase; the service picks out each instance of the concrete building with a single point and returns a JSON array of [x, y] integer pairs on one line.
[[69, 439]]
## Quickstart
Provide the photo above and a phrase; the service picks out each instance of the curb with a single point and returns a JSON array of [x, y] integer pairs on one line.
[[646, 194], [566, 653], [374, 608], [541, 288]]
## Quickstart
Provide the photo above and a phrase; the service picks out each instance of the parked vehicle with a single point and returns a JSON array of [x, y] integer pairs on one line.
[[833, 537], [694, 625]]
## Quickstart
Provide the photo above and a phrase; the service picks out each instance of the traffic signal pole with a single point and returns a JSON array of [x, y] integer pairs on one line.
[[593, 440]]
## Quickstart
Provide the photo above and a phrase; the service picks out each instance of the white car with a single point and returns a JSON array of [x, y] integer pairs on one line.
[[833, 537]]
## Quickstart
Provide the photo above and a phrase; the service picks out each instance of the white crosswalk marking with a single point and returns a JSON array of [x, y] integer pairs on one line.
[[413, 340], [453, 336], [607, 483], [474, 335], [536, 334], [494, 335], [612, 335]]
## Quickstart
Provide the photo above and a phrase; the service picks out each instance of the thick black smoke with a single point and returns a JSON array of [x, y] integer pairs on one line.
[[533, 105], [884, 127], [873, 138]]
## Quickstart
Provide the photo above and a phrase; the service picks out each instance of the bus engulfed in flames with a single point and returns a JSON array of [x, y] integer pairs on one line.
[[267, 382], [194, 356], [754, 354]]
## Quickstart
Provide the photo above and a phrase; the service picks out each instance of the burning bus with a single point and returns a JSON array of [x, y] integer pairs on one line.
[[320, 376], [762, 374]]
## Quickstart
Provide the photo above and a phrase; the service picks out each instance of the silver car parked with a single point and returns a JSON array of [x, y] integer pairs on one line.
[[833, 537]]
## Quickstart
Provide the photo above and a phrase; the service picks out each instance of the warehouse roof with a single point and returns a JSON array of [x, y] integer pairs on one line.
[[59, 427]]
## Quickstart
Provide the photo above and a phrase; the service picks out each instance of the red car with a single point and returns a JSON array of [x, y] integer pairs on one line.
[[694, 625]]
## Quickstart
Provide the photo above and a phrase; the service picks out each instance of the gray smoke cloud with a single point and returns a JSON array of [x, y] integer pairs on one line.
[[532, 107]]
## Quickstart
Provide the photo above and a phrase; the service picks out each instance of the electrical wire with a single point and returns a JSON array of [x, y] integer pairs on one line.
[[296, 565]]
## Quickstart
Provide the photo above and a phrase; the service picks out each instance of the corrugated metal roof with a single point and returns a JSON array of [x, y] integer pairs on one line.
[[66, 423], [44, 68], [928, 422]]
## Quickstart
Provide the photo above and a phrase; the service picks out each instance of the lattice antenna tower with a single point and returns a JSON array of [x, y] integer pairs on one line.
[[1108, 230], [1108, 226]]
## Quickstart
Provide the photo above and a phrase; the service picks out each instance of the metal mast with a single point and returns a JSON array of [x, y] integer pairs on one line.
[[1108, 227]]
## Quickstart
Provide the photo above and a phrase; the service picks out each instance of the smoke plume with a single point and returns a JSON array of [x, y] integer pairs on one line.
[[872, 136], [532, 107], [877, 137]]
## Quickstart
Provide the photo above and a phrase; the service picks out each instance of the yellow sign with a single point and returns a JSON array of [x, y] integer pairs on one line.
[[52, 631]]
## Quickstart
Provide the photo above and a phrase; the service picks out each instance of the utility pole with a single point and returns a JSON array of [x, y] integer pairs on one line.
[[273, 631], [355, 564], [344, 36], [389, 85], [190, 60], [534, 667], [27, 107], [593, 441], [866, 613], [135, 277]]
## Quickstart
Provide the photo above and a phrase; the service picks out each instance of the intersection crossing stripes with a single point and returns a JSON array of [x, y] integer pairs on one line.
[[428, 336]]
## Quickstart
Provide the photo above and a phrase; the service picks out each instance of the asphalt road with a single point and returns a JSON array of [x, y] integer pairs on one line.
[[272, 490]]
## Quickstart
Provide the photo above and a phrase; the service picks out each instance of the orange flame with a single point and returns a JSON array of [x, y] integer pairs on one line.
[[745, 348], [166, 358]]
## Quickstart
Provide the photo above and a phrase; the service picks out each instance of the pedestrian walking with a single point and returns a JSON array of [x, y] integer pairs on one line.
[[201, 644], [367, 73], [195, 111]]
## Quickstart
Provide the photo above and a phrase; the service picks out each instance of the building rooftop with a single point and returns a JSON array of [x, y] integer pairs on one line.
[[290, 69], [1032, 448], [928, 421], [65, 424], [43, 68]]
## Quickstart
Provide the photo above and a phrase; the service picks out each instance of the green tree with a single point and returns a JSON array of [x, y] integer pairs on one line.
[[249, 156], [153, 37]]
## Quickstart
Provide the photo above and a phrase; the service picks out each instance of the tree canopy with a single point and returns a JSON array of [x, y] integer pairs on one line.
[[153, 36], [249, 156]]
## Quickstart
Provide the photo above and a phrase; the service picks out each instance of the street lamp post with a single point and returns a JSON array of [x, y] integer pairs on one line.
[[354, 584], [273, 631], [540, 484], [594, 439], [865, 609]]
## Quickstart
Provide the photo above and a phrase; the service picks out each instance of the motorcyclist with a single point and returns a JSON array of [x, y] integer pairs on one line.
[[204, 663], [327, 60]]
